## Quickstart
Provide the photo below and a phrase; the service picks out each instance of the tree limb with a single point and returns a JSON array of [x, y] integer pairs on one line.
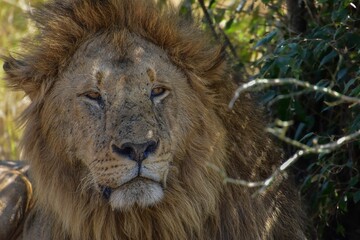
[[317, 149], [284, 81]]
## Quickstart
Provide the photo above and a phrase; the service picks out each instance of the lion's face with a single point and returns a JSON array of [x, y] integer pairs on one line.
[[117, 113]]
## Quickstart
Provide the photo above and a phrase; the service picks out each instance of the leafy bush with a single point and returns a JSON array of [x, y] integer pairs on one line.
[[316, 98], [326, 55]]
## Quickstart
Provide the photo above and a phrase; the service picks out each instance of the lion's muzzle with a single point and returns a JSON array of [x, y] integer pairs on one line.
[[134, 151]]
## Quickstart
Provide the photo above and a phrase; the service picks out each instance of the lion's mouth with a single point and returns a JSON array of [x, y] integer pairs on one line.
[[107, 191], [140, 191]]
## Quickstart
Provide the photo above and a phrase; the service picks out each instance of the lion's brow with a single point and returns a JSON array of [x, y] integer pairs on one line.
[[152, 75], [99, 78]]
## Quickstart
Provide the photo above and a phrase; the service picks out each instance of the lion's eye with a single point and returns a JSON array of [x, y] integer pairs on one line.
[[93, 95], [157, 91]]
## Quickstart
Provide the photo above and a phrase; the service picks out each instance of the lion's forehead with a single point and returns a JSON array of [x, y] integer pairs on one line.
[[95, 61]]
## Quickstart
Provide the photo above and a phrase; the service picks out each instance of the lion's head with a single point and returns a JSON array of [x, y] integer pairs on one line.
[[128, 109], [122, 111]]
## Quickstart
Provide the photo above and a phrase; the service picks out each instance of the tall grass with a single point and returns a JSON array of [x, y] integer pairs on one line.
[[14, 25]]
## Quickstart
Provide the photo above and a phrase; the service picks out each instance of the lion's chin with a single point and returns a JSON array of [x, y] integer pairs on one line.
[[143, 193]]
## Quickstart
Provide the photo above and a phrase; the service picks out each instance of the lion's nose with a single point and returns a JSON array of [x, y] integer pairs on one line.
[[134, 151]]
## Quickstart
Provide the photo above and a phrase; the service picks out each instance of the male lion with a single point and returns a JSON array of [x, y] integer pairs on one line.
[[128, 109]]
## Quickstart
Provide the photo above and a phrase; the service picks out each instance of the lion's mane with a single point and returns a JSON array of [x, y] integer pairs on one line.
[[199, 208]]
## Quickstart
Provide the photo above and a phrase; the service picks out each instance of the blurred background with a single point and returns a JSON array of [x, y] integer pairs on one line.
[[311, 46], [14, 25]]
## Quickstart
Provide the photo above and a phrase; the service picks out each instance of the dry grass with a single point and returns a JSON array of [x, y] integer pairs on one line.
[[13, 27], [11, 104]]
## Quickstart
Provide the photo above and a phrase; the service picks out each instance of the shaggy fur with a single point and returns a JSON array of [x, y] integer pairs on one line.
[[195, 205]]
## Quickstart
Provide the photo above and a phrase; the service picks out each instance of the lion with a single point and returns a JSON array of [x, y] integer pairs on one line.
[[129, 109]]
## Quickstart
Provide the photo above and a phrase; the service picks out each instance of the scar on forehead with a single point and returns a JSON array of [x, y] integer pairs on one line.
[[151, 73], [99, 77]]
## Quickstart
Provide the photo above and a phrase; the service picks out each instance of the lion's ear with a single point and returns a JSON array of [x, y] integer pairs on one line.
[[19, 76]]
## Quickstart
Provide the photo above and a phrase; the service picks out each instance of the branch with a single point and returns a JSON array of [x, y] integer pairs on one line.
[[208, 18], [304, 149], [321, 148], [240, 7], [289, 140], [227, 43], [227, 179], [283, 81]]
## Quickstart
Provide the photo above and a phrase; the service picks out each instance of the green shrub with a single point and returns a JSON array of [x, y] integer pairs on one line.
[[261, 42]]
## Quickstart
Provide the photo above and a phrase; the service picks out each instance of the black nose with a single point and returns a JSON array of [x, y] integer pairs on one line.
[[134, 151]]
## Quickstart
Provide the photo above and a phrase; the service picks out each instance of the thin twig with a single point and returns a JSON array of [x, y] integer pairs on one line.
[[289, 140], [227, 179], [240, 6], [285, 81], [208, 19], [212, 26], [229, 44]]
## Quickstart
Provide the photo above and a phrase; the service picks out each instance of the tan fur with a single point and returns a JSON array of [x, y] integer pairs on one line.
[[123, 49]]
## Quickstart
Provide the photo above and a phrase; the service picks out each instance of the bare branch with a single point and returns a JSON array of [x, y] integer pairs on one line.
[[208, 19], [317, 149], [240, 7], [227, 179], [284, 81], [213, 28], [229, 44], [289, 140]]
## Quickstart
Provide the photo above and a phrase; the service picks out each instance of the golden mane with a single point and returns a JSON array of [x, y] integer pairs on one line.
[[201, 208], [65, 25]]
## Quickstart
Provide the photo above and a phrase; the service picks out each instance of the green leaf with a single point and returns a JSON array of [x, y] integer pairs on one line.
[[320, 48], [352, 40], [299, 130], [340, 229], [211, 3], [229, 24], [356, 197], [328, 57], [310, 134], [341, 74], [348, 85], [283, 65], [266, 39], [340, 15], [269, 95], [355, 92], [353, 181], [343, 204], [355, 125]]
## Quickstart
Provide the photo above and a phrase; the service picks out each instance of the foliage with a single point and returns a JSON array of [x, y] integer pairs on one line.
[[326, 55], [260, 42]]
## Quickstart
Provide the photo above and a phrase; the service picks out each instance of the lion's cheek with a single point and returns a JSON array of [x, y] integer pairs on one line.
[[87, 139]]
